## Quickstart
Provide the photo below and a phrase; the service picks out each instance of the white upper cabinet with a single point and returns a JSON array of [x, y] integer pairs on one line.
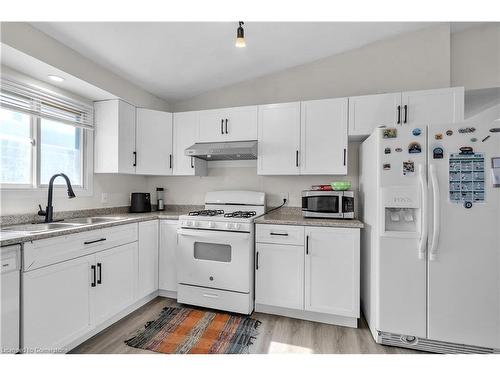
[[279, 139], [154, 142], [114, 137], [410, 108], [371, 111], [440, 106], [185, 134], [323, 137], [228, 124]]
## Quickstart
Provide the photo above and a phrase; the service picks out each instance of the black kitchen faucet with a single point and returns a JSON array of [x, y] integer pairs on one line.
[[48, 213]]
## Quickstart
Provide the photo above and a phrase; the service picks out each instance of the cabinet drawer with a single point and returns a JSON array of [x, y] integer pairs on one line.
[[49, 251], [281, 234], [214, 298]]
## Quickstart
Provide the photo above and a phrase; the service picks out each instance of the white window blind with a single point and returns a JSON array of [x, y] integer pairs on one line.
[[35, 101]]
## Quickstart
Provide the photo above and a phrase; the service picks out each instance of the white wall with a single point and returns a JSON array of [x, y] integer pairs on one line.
[[412, 61], [191, 190], [475, 57], [33, 42]]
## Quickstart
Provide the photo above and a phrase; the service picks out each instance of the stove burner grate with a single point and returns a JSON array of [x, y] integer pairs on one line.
[[206, 213], [241, 214]]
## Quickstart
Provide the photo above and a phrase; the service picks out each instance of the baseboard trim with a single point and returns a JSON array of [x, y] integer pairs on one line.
[[345, 321], [167, 293], [111, 321]]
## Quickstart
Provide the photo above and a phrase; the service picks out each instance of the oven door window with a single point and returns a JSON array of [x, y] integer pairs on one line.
[[322, 204], [212, 251]]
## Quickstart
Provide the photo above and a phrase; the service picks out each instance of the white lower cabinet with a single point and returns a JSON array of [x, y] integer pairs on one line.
[[116, 279], [279, 275], [168, 243], [332, 271], [317, 279], [148, 258], [67, 299], [57, 304]]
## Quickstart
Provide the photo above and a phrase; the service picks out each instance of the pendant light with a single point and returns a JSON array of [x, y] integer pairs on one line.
[[240, 36]]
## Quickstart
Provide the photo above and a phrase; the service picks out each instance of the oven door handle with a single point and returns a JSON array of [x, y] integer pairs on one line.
[[211, 233]]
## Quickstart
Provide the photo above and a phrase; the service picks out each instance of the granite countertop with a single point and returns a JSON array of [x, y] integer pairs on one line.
[[293, 216], [10, 238]]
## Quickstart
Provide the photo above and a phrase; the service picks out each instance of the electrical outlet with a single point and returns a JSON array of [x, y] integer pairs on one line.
[[283, 196]]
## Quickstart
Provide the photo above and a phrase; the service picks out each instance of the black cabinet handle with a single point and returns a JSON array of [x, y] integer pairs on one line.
[[226, 127], [345, 154], [135, 159], [257, 260], [307, 245], [406, 114], [222, 126], [94, 241], [170, 160], [92, 283], [399, 114], [192, 165], [99, 273], [278, 234], [297, 158]]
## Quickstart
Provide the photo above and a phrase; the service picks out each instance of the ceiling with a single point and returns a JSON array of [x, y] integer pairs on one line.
[[178, 60]]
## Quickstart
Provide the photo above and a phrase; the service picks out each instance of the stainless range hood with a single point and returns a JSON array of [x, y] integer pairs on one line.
[[238, 150]]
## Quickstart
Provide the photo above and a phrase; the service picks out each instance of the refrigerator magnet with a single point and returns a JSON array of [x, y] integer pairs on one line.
[[386, 166], [437, 153], [414, 148], [408, 168], [438, 136], [416, 132], [390, 133], [466, 130], [387, 150], [398, 149], [449, 132]]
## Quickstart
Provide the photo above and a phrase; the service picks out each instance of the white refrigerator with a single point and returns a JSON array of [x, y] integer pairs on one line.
[[430, 200]]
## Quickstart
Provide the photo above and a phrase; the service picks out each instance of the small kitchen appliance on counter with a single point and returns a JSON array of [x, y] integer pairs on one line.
[[160, 199], [328, 204], [140, 202]]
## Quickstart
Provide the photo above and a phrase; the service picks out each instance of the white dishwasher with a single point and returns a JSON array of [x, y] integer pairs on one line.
[[10, 278]]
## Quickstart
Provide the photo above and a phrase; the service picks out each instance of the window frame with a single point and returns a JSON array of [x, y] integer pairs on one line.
[[87, 141]]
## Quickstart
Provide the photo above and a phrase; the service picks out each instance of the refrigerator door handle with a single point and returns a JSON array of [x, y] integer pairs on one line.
[[423, 220], [435, 213]]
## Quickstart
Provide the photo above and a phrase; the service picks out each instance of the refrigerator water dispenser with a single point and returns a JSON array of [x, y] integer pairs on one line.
[[401, 209]]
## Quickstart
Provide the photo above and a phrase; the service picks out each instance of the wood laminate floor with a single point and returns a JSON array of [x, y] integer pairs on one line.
[[277, 334]]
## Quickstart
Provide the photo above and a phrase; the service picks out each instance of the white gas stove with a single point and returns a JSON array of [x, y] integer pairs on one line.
[[215, 252]]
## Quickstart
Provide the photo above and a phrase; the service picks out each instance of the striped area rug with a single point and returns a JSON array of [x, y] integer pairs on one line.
[[180, 330]]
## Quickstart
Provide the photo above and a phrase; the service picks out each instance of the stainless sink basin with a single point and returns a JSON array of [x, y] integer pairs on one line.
[[93, 220], [39, 227]]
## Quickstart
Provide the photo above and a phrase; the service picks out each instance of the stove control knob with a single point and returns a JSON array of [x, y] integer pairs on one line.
[[211, 224], [194, 223], [186, 224], [236, 226], [228, 226]]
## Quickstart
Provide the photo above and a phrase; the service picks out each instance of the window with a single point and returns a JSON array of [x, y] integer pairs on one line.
[[42, 135]]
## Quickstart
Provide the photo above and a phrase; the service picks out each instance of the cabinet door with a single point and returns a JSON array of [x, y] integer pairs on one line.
[[211, 125], [126, 138], [332, 271], [114, 137], [241, 123], [371, 111], [117, 273], [323, 136], [168, 245], [148, 258], [441, 106], [57, 304], [185, 134], [279, 139], [154, 142], [279, 275]]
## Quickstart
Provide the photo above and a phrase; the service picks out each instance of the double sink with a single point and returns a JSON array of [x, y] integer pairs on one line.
[[65, 224]]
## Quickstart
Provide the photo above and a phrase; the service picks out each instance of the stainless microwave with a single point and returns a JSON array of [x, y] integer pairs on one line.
[[328, 204]]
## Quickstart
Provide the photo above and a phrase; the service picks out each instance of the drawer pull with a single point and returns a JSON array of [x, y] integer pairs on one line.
[[208, 295], [94, 241], [92, 283], [278, 234]]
